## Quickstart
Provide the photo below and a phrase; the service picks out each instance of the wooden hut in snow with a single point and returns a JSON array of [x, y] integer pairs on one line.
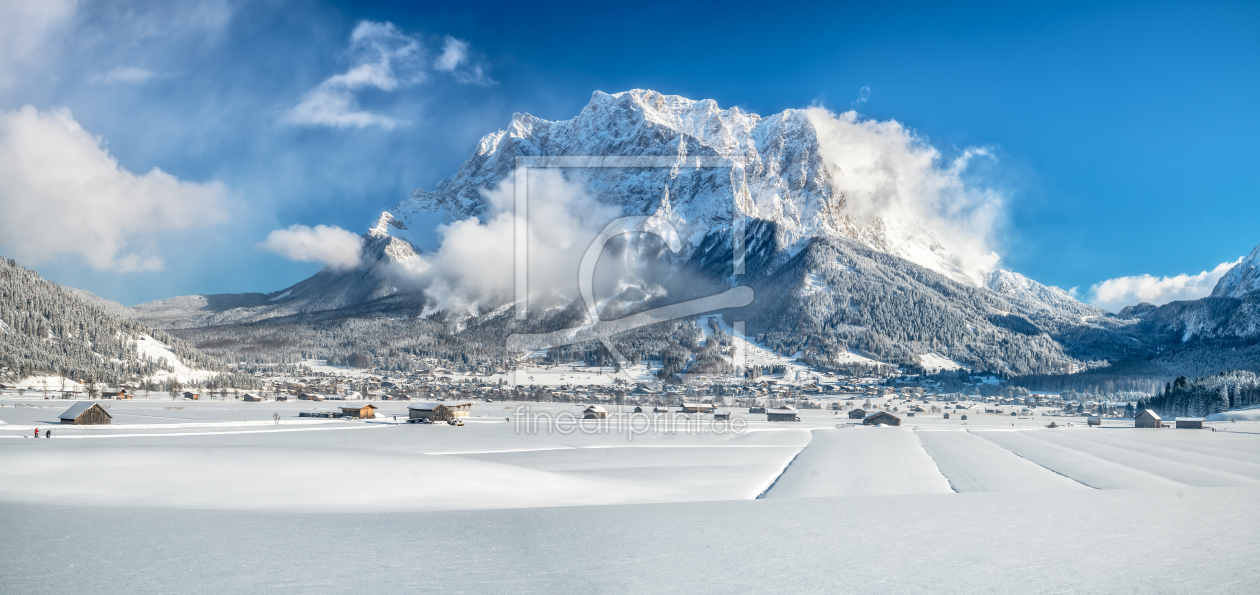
[[1190, 423], [857, 414], [883, 418], [84, 413], [437, 411], [1148, 419], [359, 411], [783, 413], [595, 412]]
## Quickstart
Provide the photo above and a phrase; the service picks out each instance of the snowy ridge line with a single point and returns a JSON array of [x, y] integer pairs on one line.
[[785, 468], [84, 436], [934, 465], [1032, 461]]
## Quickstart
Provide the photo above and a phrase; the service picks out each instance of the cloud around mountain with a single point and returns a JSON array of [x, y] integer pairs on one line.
[[1114, 294]]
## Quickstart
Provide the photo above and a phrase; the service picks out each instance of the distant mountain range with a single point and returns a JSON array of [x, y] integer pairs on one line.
[[826, 278]]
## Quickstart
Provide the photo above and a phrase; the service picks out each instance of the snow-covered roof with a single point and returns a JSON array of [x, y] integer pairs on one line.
[[78, 408], [1150, 412], [783, 409], [1190, 419]]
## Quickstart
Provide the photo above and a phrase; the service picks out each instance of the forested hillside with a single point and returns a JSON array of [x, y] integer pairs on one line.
[[49, 329], [1206, 396]]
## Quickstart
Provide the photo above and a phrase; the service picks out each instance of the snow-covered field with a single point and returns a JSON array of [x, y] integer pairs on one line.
[[217, 497]]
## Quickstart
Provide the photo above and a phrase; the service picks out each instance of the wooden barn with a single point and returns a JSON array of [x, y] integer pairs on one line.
[[857, 414], [595, 412], [359, 411], [192, 396], [1190, 423], [251, 398], [84, 413], [883, 418], [783, 413], [1148, 419], [638, 409], [437, 411], [722, 414], [697, 407], [1093, 420]]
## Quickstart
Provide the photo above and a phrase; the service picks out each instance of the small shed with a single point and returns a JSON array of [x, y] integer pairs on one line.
[[1093, 420], [438, 410], [251, 398], [85, 413], [756, 409], [1189, 423], [697, 407], [595, 412], [784, 413], [638, 409], [946, 416], [857, 414], [964, 417], [192, 396], [721, 414], [359, 411], [882, 418], [1148, 419]]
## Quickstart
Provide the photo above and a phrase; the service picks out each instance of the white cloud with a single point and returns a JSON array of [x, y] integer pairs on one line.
[[454, 53], [63, 194], [1114, 294], [473, 267], [896, 180], [864, 94], [384, 58], [333, 246], [124, 74]]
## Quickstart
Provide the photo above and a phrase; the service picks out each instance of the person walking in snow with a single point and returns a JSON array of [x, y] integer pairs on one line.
[[37, 432], [48, 433]]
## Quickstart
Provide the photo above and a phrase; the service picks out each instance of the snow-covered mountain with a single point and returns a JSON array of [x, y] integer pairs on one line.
[[1242, 280], [779, 172], [830, 272]]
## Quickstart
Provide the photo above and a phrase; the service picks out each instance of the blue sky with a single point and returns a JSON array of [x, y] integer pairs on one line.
[[1125, 133]]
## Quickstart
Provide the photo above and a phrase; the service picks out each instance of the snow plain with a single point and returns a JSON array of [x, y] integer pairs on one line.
[[214, 496]]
